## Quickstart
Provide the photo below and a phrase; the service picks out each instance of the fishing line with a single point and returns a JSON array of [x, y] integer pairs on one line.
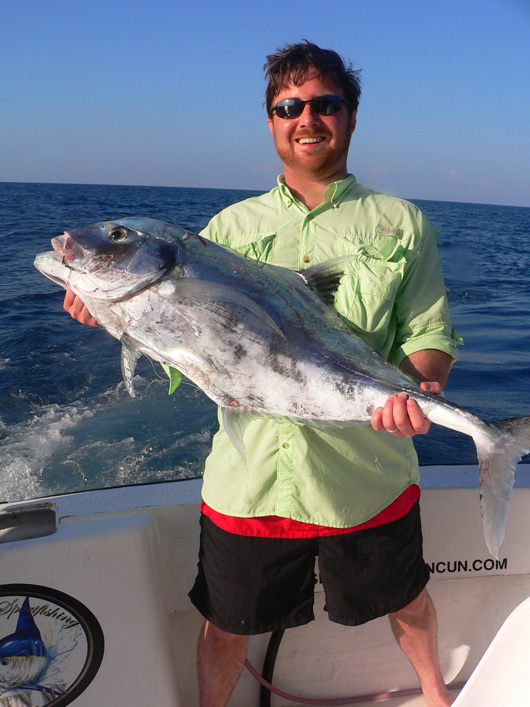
[[156, 372], [162, 377]]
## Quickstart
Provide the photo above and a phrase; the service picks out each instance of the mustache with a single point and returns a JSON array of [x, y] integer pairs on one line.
[[311, 133]]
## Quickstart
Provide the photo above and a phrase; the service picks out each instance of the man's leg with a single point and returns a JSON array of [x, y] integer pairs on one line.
[[414, 627], [220, 660]]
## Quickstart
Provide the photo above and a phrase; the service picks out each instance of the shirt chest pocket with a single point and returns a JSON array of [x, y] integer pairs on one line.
[[254, 246], [367, 292]]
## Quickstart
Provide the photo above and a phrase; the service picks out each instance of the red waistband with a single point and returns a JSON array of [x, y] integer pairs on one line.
[[277, 527]]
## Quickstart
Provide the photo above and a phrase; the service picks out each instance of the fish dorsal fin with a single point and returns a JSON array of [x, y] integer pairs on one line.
[[202, 290], [129, 358], [26, 625], [325, 277]]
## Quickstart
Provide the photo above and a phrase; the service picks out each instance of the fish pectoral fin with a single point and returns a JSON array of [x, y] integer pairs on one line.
[[129, 358], [325, 277], [235, 422], [204, 290]]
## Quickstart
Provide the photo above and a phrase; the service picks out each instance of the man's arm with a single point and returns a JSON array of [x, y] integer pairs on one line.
[[402, 416], [76, 308]]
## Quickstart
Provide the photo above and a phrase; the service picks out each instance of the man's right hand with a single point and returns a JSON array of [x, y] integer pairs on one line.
[[76, 308]]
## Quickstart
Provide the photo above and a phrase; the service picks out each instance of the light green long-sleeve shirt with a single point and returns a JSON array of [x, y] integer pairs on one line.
[[394, 296]]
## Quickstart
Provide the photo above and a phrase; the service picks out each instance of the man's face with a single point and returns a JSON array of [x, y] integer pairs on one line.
[[312, 144]]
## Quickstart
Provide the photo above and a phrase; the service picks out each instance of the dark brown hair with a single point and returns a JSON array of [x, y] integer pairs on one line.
[[292, 63]]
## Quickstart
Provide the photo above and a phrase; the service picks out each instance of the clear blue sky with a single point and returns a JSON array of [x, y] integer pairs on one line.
[[170, 93]]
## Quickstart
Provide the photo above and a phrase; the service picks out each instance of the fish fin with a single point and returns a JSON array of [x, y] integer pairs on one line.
[[498, 456], [325, 277], [129, 358], [202, 290], [26, 624], [235, 422]]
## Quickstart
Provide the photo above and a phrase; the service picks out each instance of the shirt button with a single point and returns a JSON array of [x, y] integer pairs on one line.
[[285, 445], [306, 259]]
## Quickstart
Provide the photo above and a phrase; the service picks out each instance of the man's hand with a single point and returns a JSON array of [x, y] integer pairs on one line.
[[76, 308], [401, 416]]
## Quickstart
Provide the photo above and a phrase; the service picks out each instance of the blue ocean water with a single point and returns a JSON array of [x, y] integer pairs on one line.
[[66, 421]]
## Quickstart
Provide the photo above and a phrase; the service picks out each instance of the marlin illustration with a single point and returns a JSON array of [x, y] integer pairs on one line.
[[23, 654]]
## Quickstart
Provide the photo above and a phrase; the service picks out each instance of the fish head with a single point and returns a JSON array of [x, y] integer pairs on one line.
[[112, 259], [21, 670]]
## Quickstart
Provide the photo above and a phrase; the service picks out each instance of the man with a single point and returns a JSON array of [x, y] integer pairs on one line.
[[349, 496]]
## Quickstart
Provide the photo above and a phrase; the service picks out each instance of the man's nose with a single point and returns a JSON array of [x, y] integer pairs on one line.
[[308, 116]]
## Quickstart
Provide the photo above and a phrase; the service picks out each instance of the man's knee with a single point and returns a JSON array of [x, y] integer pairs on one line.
[[214, 635], [417, 606]]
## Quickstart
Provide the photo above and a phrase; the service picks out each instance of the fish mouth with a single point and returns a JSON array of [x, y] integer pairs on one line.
[[52, 265], [67, 247]]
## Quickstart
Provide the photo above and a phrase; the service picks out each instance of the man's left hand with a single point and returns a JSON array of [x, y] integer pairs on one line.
[[401, 416]]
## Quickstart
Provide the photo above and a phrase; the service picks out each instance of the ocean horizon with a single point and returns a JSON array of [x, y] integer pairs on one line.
[[250, 192]]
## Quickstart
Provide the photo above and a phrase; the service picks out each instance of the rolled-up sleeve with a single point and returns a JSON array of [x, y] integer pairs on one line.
[[422, 310]]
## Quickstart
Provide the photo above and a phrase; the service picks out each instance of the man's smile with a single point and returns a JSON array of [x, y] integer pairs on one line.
[[309, 140]]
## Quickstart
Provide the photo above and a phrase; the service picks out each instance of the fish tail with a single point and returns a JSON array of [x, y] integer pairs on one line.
[[500, 446]]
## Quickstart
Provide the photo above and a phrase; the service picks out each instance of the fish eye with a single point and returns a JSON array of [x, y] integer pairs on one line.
[[4, 661], [117, 234]]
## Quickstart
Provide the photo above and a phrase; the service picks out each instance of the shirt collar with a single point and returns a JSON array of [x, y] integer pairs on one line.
[[333, 193]]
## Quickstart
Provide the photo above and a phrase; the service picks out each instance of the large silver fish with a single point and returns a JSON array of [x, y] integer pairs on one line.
[[257, 339]]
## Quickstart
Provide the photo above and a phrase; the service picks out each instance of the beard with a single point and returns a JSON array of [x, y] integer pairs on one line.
[[321, 161]]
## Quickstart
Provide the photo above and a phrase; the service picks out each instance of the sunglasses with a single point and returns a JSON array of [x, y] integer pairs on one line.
[[323, 105]]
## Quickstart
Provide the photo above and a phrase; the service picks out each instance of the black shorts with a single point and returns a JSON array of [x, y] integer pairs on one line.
[[247, 585]]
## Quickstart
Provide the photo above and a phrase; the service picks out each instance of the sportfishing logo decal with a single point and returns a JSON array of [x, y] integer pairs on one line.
[[51, 647]]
